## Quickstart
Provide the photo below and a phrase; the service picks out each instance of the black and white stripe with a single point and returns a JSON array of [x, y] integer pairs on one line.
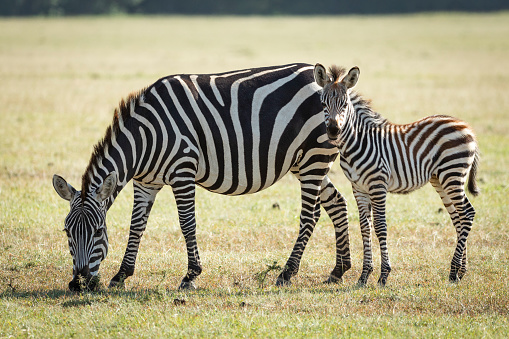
[[232, 133], [380, 157]]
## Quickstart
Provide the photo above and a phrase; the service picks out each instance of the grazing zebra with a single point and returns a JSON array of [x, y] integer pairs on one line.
[[232, 133], [379, 157]]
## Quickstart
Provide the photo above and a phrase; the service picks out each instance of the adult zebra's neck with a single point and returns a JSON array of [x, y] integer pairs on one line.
[[116, 152]]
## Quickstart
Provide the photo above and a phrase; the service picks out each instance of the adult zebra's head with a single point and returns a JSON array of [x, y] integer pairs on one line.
[[335, 97], [85, 227]]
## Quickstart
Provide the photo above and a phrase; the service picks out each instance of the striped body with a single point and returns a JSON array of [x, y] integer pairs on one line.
[[407, 156], [380, 157], [232, 133]]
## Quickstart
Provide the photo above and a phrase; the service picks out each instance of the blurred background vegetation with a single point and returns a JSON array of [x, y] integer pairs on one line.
[[245, 7]]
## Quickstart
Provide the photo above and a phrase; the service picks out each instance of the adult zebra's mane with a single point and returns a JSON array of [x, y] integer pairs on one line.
[[121, 113], [364, 111]]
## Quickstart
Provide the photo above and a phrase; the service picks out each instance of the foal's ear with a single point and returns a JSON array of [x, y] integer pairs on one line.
[[351, 78], [64, 190], [107, 188], [321, 76]]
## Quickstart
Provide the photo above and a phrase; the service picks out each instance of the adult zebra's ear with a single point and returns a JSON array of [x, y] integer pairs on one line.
[[64, 190], [321, 76], [351, 78], [107, 188]]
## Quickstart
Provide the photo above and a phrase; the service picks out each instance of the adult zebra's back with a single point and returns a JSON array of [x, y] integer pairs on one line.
[[231, 133]]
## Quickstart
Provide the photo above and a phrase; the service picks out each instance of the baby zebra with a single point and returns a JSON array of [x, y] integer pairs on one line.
[[379, 157]]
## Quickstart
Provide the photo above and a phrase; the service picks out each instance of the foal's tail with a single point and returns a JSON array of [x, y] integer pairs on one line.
[[472, 183]]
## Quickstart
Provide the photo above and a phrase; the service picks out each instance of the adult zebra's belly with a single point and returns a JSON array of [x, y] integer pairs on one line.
[[238, 179]]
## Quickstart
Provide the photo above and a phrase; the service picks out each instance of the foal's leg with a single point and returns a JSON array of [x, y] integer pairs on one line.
[[454, 188], [455, 218], [144, 197], [335, 206], [364, 207], [378, 199]]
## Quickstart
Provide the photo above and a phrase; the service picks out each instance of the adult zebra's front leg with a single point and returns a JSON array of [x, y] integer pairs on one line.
[[184, 193], [310, 190], [144, 197]]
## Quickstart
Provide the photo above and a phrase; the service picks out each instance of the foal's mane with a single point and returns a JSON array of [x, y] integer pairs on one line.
[[121, 113], [365, 112], [336, 72]]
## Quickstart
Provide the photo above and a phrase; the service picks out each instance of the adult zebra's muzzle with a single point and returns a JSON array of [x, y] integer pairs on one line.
[[83, 281]]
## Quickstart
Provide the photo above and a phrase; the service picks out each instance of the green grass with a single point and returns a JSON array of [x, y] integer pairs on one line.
[[60, 80]]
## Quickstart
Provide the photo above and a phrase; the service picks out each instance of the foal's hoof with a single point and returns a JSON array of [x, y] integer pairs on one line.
[[187, 285], [382, 281], [461, 273], [453, 279]]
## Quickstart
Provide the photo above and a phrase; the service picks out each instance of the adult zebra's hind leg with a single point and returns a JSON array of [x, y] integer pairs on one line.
[[310, 190], [144, 197], [335, 206], [184, 194]]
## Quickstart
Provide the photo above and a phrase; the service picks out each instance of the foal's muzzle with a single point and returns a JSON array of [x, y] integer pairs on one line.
[[332, 131]]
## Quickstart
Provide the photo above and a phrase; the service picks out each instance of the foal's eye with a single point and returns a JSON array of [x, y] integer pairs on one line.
[[324, 105]]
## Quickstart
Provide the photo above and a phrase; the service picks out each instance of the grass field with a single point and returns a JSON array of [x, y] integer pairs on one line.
[[60, 80]]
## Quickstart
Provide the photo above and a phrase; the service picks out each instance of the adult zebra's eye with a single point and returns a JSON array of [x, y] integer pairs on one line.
[[99, 232], [67, 232]]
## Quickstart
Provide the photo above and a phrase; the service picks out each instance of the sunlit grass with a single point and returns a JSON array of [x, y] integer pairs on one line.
[[60, 80]]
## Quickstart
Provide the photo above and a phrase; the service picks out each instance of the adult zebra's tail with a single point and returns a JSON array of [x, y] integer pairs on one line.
[[472, 183]]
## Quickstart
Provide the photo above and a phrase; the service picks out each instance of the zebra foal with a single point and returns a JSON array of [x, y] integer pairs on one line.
[[231, 133], [380, 157]]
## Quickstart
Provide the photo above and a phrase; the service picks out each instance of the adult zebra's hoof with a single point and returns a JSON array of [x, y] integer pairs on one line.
[[362, 281], [187, 285], [117, 284], [280, 282], [333, 280], [118, 281]]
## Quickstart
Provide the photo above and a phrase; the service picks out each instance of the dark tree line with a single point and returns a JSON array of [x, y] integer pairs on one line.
[[242, 7]]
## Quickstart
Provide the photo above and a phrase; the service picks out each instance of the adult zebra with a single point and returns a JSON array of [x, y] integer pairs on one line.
[[232, 133], [379, 157]]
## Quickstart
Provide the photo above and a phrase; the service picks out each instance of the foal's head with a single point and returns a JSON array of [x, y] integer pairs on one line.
[[335, 95]]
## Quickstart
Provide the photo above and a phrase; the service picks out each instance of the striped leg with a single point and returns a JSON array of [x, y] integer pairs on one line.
[[364, 206], [144, 197], [466, 213], [455, 218], [185, 199], [309, 195], [378, 200], [335, 206]]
